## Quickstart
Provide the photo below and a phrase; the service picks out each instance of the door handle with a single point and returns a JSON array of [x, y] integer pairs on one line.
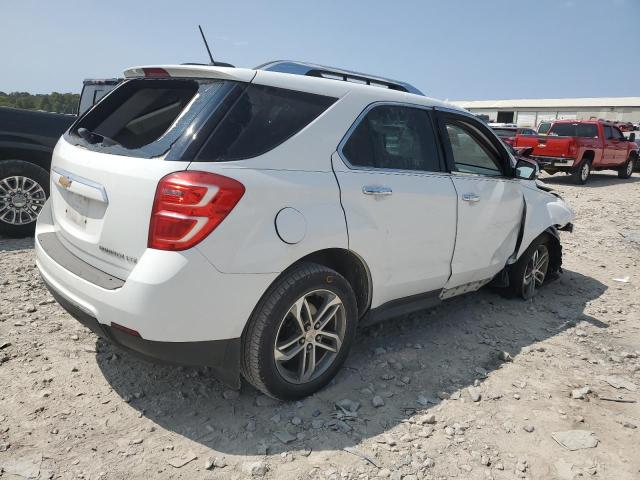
[[376, 190], [470, 197]]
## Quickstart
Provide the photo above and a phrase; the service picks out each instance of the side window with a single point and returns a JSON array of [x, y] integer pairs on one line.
[[608, 133], [471, 152], [395, 137], [587, 130], [261, 119], [617, 134]]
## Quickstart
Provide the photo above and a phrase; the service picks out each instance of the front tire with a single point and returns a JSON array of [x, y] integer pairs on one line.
[[530, 271], [582, 173], [24, 188], [300, 333], [627, 169]]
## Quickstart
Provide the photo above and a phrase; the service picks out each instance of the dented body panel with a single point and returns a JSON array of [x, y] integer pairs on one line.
[[544, 210]]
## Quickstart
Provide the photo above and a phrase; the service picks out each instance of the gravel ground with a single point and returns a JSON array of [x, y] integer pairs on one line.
[[481, 387]]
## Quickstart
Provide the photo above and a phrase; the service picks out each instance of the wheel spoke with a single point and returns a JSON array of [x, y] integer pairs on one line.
[[289, 343], [333, 336], [310, 363], [542, 260], [7, 185], [326, 347], [281, 356], [30, 214], [328, 312], [300, 309], [34, 186], [303, 364]]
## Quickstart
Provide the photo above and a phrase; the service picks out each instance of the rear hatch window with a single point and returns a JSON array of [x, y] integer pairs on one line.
[[143, 117]]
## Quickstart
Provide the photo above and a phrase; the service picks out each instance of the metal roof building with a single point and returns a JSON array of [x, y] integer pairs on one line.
[[530, 112]]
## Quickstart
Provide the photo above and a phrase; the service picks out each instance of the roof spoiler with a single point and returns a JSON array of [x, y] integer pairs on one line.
[[332, 73]]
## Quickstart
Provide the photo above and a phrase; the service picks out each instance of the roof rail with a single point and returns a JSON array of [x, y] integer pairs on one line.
[[313, 70]]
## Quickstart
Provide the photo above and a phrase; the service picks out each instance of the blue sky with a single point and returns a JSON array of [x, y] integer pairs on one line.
[[450, 49]]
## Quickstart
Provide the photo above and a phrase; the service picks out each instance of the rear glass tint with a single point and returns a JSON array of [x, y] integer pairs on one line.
[[585, 130], [143, 117], [544, 127], [261, 119], [505, 132]]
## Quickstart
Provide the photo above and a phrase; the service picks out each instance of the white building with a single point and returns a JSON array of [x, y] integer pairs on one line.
[[529, 113]]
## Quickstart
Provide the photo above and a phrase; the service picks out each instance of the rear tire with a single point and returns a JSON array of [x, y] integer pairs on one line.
[[627, 169], [581, 174], [290, 349], [24, 188], [530, 271]]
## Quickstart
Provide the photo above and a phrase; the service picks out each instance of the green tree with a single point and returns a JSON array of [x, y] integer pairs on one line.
[[52, 102]]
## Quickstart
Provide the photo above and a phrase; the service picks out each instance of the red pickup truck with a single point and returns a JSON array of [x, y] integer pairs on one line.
[[578, 147]]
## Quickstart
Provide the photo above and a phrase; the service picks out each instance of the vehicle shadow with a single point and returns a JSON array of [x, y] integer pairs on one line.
[[444, 349], [596, 179]]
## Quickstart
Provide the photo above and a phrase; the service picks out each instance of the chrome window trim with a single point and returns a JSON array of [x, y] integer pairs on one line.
[[357, 122]]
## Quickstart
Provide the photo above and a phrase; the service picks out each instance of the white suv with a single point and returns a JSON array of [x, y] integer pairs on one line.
[[250, 220]]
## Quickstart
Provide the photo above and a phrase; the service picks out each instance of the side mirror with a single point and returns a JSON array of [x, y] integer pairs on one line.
[[526, 170], [632, 137]]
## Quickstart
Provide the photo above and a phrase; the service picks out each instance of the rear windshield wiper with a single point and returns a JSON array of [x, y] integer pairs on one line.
[[93, 138]]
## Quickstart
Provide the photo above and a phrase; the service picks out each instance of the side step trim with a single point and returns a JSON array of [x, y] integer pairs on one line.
[[402, 306]]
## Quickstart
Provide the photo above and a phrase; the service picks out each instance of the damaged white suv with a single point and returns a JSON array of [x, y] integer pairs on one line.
[[251, 219]]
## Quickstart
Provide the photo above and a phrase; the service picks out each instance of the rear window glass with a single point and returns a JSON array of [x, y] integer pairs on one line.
[[143, 117], [505, 132], [544, 127], [261, 119], [586, 130]]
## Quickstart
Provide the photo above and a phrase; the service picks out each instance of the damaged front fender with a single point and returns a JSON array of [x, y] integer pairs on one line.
[[545, 212]]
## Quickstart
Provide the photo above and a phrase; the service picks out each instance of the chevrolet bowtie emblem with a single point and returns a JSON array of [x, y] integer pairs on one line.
[[65, 181]]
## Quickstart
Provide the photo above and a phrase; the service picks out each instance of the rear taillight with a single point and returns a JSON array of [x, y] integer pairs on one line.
[[573, 148], [188, 206]]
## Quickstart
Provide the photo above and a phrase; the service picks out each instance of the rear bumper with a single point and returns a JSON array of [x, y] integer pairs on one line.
[[555, 163], [223, 356], [185, 311]]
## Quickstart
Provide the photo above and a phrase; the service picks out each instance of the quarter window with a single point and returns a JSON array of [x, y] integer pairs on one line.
[[394, 137], [260, 120], [470, 154]]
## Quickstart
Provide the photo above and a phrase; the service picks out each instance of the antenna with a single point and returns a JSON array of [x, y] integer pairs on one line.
[[204, 39]]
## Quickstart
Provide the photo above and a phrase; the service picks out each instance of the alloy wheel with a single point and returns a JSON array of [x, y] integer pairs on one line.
[[21, 200], [535, 271], [310, 336], [629, 168]]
